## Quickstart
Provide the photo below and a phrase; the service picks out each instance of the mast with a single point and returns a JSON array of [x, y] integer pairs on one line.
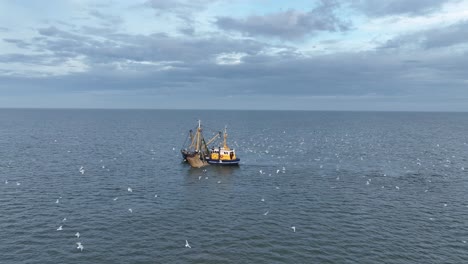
[[197, 147], [225, 138]]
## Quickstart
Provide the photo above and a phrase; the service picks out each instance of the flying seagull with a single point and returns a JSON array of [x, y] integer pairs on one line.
[[293, 228], [60, 228], [77, 234], [187, 244], [129, 189], [80, 247]]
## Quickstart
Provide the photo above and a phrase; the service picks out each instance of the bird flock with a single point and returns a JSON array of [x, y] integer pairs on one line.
[[368, 182]]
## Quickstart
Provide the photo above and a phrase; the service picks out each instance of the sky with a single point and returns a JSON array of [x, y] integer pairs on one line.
[[358, 55]]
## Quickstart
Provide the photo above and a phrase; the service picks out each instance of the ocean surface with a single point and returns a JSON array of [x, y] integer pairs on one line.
[[359, 187]]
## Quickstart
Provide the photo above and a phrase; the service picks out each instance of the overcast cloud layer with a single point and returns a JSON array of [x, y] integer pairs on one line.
[[307, 55]]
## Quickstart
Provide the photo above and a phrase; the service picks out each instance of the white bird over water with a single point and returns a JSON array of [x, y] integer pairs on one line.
[[80, 247], [6, 181], [187, 244], [277, 171], [262, 200], [77, 234], [130, 210], [64, 219], [266, 213], [398, 188], [155, 196], [129, 189], [18, 183], [57, 201], [293, 228], [115, 199], [60, 228], [82, 170]]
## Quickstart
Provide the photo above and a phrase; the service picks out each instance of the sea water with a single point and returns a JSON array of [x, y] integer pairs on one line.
[[358, 187]]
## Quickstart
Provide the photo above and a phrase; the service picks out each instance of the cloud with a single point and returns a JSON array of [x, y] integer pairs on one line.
[[442, 37], [106, 19], [17, 42], [290, 24], [178, 5], [397, 7]]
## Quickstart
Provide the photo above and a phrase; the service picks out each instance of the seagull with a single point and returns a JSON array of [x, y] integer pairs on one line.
[[82, 170], [367, 183], [156, 196], [266, 212], [60, 228], [293, 228], [129, 189], [6, 181], [64, 219], [80, 247], [57, 201], [187, 244], [77, 234], [219, 181], [115, 199], [262, 200], [445, 204], [398, 188], [261, 172], [130, 210], [18, 183], [277, 171], [199, 177]]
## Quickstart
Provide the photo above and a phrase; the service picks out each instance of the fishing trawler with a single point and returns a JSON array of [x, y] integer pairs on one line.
[[223, 155], [198, 154]]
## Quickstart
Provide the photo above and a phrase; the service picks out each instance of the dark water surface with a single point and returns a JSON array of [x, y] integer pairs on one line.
[[358, 188]]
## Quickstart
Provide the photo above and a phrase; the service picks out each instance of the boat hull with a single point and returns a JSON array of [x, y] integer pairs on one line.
[[234, 162]]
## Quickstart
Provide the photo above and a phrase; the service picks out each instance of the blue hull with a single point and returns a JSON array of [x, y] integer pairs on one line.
[[224, 162]]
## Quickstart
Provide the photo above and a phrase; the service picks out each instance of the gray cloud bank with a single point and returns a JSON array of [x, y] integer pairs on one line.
[[420, 65], [288, 24]]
